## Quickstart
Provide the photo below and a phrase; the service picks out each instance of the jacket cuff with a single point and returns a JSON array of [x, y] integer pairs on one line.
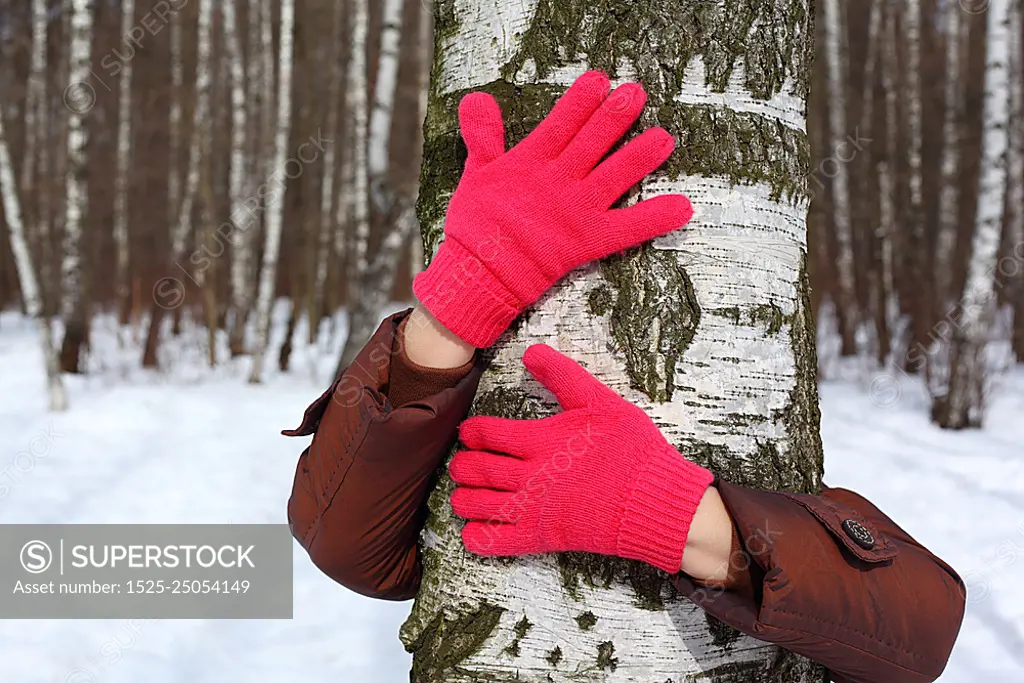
[[465, 296], [658, 515], [410, 382]]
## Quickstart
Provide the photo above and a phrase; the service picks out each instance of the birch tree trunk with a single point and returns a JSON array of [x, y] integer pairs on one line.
[[27, 279], [124, 150], [356, 193], [275, 200], [36, 156], [962, 404], [1015, 179], [846, 305], [80, 98], [949, 196], [238, 179], [174, 127], [372, 275], [707, 329]]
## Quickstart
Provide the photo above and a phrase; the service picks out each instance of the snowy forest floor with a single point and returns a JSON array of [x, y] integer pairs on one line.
[[194, 445]]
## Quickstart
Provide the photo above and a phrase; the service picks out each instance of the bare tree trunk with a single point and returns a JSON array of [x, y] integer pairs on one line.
[[949, 196], [124, 155], [1015, 179], [238, 179], [328, 192], [355, 194], [29, 283], [81, 97], [275, 202], [369, 273], [846, 304], [201, 126], [35, 178], [962, 405], [724, 365]]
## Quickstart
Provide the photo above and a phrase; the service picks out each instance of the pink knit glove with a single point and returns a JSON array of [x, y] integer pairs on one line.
[[598, 477], [521, 220]]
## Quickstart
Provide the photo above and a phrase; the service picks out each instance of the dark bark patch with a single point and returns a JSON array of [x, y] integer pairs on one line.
[[444, 643], [654, 317]]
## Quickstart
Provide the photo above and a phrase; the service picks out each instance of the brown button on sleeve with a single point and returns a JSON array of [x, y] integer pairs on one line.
[[839, 582]]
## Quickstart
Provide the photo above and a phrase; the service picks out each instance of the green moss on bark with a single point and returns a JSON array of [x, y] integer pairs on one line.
[[722, 635], [653, 318], [445, 643], [649, 585], [606, 658], [767, 39], [554, 656]]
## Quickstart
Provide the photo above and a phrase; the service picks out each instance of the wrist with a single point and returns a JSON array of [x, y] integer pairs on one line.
[[430, 344]]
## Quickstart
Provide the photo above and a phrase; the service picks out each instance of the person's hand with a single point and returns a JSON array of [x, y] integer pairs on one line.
[[598, 477], [521, 220]]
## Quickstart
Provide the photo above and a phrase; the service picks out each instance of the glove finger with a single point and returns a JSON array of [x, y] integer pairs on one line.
[[486, 505], [571, 384], [637, 224], [487, 471], [631, 164], [569, 114], [482, 128], [498, 434], [495, 540], [606, 127]]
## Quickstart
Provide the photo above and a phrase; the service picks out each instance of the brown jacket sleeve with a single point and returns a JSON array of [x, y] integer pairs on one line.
[[837, 581], [357, 503]]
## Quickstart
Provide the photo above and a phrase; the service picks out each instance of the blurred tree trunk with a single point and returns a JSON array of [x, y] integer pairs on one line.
[[724, 363], [374, 273], [80, 102], [951, 143], [201, 123], [962, 402], [27, 279], [1015, 181], [275, 200], [122, 287], [847, 314], [242, 215]]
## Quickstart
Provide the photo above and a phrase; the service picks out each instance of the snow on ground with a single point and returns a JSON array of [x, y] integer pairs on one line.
[[190, 445]]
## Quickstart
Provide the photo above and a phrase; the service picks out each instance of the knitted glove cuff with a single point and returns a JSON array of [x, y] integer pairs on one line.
[[657, 516], [465, 296]]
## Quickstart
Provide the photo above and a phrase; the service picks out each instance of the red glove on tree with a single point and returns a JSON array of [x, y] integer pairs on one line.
[[519, 221], [596, 478]]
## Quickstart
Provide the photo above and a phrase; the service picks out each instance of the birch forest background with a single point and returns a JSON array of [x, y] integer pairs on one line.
[[183, 164]]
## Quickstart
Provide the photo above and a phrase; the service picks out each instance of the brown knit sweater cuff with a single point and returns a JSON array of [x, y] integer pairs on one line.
[[410, 382]]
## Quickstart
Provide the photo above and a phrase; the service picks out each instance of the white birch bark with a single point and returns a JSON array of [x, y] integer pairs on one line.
[[384, 105], [201, 126], [75, 189], [238, 175], [356, 102], [949, 193], [886, 186], [732, 365], [267, 123], [372, 275], [963, 405], [275, 201], [847, 303], [27, 280], [124, 153], [35, 95]]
